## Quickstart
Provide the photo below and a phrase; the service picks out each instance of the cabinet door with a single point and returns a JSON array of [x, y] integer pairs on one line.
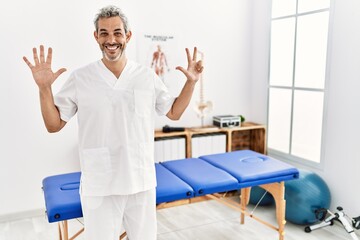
[[205, 144], [167, 149]]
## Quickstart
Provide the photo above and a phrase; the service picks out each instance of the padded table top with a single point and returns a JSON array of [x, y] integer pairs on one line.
[[251, 168], [178, 179], [170, 187], [62, 198], [202, 176]]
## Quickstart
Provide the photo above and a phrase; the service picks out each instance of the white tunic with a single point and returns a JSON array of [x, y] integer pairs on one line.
[[116, 126]]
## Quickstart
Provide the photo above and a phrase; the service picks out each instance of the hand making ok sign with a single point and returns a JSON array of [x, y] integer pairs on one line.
[[194, 68]]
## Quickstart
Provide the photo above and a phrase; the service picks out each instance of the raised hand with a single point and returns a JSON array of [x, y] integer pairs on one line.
[[194, 68], [41, 70]]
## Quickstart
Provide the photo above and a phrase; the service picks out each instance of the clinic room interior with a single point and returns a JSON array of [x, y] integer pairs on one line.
[[300, 84]]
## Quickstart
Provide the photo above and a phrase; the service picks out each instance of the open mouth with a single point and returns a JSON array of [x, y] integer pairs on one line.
[[112, 47]]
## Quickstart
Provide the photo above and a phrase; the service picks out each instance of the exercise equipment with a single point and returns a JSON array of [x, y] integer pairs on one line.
[[260, 197], [327, 218], [304, 195]]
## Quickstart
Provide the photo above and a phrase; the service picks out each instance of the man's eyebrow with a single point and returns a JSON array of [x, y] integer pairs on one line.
[[105, 30]]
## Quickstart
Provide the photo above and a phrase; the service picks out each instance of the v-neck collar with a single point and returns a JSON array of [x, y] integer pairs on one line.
[[110, 78]]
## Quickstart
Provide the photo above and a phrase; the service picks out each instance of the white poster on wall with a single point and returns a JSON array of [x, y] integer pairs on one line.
[[161, 53]]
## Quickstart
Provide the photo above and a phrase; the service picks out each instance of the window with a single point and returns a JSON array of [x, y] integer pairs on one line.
[[298, 53]]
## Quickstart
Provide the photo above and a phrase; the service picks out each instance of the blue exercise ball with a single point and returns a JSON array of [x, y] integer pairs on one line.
[[303, 196], [257, 194]]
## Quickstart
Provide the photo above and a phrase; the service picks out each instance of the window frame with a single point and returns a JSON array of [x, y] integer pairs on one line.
[[289, 156]]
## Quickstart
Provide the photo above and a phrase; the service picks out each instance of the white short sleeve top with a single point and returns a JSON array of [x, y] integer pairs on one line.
[[116, 125]]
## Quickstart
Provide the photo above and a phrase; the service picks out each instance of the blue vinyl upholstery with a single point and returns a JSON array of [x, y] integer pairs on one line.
[[202, 176], [251, 168], [170, 187], [62, 197], [178, 179]]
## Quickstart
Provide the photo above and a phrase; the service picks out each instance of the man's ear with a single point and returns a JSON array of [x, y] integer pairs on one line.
[[96, 35], [128, 36]]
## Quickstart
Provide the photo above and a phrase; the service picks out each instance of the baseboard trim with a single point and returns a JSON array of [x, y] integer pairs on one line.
[[21, 215]]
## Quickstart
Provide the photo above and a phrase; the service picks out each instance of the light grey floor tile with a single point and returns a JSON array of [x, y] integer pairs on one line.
[[207, 220]]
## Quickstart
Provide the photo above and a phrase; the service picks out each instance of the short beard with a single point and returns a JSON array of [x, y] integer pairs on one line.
[[114, 59]]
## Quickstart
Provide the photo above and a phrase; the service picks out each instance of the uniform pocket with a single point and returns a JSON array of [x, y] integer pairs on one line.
[[144, 102], [96, 171], [96, 160]]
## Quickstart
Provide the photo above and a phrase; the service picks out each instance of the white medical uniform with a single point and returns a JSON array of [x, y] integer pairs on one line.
[[116, 139]]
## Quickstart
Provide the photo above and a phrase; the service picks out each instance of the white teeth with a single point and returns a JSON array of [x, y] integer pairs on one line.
[[111, 47]]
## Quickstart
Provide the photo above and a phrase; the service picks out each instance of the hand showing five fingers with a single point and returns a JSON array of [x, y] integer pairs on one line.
[[194, 68], [41, 70]]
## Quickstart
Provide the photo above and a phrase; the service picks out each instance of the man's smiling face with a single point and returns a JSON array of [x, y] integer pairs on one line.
[[112, 38]]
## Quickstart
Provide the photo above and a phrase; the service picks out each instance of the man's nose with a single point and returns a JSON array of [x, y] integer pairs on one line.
[[111, 38]]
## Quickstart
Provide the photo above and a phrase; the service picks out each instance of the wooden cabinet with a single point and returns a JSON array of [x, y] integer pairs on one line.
[[249, 136]]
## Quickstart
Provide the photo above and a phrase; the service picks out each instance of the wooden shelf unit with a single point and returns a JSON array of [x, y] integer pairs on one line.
[[249, 136]]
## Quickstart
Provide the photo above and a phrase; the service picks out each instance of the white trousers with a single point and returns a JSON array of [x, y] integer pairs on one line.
[[104, 216]]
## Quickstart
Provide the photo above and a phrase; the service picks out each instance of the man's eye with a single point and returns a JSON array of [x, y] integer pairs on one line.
[[118, 34], [103, 34]]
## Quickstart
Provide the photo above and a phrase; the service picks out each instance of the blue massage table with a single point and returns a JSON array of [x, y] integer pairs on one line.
[[181, 181]]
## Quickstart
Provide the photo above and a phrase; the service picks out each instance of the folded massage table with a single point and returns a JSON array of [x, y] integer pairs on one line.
[[208, 176]]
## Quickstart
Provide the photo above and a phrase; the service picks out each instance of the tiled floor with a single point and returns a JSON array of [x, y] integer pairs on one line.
[[207, 220]]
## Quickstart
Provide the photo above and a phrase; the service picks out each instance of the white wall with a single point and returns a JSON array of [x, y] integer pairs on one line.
[[28, 153], [342, 153], [341, 156]]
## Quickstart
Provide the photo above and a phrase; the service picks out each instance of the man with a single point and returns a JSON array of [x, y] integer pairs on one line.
[[115, 100]]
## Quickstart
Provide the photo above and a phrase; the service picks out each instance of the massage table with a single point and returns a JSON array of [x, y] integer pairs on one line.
[[181, 181]]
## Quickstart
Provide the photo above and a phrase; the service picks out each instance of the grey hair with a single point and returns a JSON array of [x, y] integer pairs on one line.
[[111, 11]]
